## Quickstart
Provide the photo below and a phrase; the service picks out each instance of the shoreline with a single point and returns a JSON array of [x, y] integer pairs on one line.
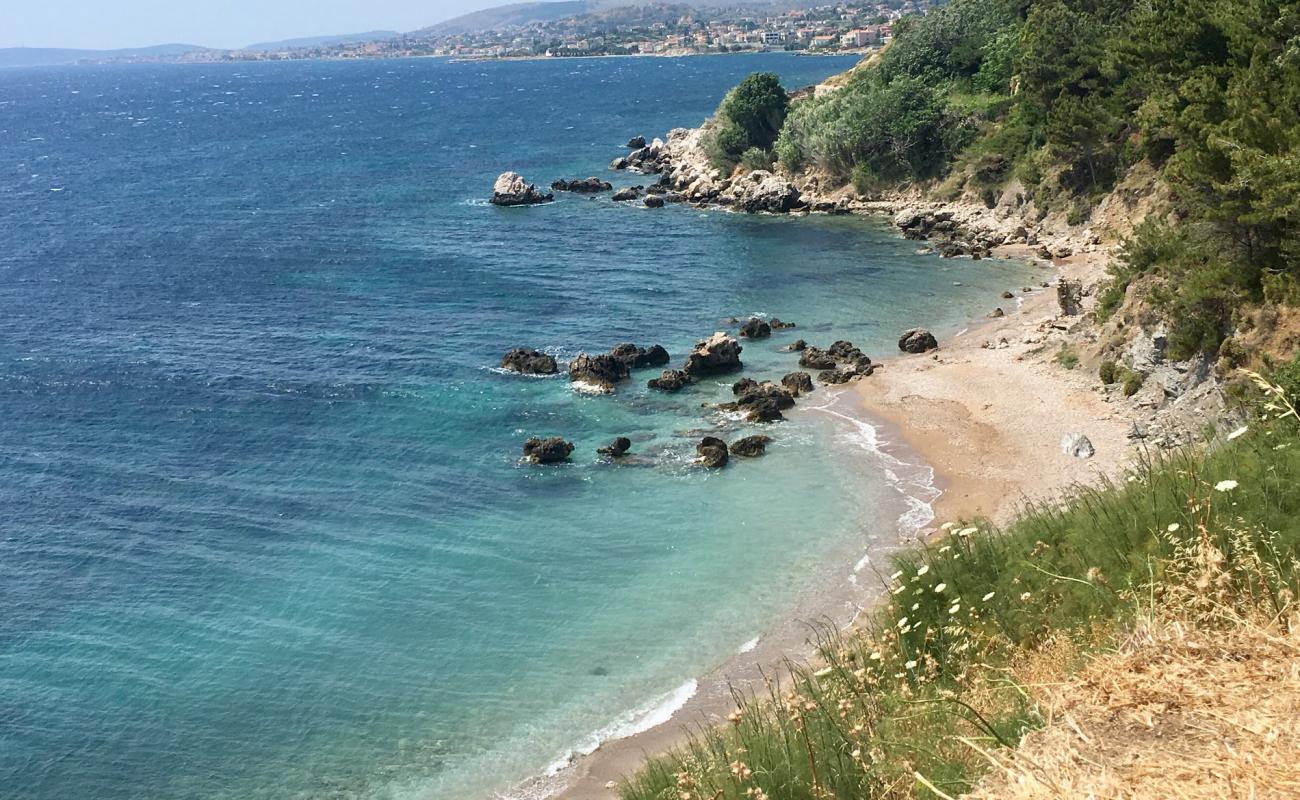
[[985, 414]]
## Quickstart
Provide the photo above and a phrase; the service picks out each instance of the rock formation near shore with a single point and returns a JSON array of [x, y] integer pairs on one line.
[[591, 185], [750, 446], [713, 452], [529, 362], [717, 354], [639, 357], [512, 190], [762, 402], [755, 328], [616, 448], [798, 383], [670, 380], [551, 450], [598, 372]]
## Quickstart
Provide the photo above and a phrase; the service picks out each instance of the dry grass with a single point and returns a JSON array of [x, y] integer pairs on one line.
[[1201, 701]]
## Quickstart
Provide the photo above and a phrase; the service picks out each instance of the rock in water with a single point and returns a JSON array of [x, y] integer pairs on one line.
[[755, 328], [917, 340], [512, 190], [624, 195], [743, 385], [529, 362], [638, 357], [616, 448], [654, 201], [716, 354], [582, 185], [636, 143], [671, 380], [713, 452], [777, 324], [1077, 445], [762, 403], [750, 446], [551, 450], [602, 371], [798, 383], [813, 358], [798, 345]]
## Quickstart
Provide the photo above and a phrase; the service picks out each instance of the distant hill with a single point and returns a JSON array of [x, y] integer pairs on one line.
[[528, 13], [324, 41], [50, 56]]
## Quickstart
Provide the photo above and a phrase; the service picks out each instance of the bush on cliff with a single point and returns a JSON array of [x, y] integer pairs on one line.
[[750, 117]]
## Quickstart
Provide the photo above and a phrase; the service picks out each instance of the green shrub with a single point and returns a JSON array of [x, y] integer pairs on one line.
[[1131, 382], [1066, 357], [1108, 372], [756, 158]]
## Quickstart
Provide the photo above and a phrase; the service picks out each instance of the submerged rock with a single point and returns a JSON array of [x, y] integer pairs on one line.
[[512, 190], [551, 450], [529, 362], [670, 380], [713, 452], [717, 354], [750, 446], [616, 448], [917, 340]]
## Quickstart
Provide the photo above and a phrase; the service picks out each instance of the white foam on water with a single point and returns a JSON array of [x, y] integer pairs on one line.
[[748, 647]]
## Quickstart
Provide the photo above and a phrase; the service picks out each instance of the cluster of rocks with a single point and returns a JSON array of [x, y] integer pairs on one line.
[[527, 361], [715, 453], [840, 363], [512, 190], [601, 372], [591, 185]]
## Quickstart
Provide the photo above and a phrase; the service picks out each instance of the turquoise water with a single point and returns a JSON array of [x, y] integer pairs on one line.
[[263, 529]]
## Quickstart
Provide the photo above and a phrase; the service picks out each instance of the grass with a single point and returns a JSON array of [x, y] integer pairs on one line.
[[1066, 357], [913, 702]]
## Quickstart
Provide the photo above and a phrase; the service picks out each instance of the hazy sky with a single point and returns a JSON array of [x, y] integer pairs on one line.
[[101, 24]]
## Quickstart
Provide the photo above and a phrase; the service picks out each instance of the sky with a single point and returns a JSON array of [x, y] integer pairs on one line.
[[108, 24]]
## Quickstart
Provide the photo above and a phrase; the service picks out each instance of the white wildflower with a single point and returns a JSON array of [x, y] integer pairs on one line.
[[1238, 432], [988, 596], [1225, 486], [939, 587]]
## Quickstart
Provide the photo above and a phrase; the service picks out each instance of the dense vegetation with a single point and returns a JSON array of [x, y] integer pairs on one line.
[[902, 708], [1067, 96], [748, 122]]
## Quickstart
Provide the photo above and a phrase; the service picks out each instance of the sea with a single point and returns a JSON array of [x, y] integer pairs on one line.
[[264, 529]]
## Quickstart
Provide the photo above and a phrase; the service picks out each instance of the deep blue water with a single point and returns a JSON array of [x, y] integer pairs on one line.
[[263, 531]]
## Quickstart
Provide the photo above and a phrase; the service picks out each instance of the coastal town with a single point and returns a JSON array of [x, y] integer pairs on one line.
[[662, 29]]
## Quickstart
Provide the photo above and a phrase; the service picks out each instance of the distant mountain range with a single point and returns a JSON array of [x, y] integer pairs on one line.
[[50, 56], [475, 22]]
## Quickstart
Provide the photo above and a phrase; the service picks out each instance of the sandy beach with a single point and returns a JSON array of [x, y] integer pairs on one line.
[[987, 412]]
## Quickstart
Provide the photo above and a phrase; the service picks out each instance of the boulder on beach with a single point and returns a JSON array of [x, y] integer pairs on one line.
[[798, 383], [600, 372], [529, 362], [846, 352], [638, 357], [750, 446], [717, 354], [1076, 445], [917, 340], [835, 377], [582, 185], [997, 313], [616, 448], [755, 328], [713, 452], [551, 450], [670, 380], [512, 190]]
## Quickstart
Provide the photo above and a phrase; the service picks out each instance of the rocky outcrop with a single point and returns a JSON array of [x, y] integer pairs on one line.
[[1069, 296], [654, 201], [762, 403], [636, 143], [670, 380], [814, 358], [552, 450], [717, 354], [529, 362], [917, 340], [616, 448], [755, 328], [743, 385], [713, 452], [797, 346], [512, 190], [761, 191], [750, 446], [835, 377], [846, 353], [598, 372], [798, 383], [640, 357], [591, 185]]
